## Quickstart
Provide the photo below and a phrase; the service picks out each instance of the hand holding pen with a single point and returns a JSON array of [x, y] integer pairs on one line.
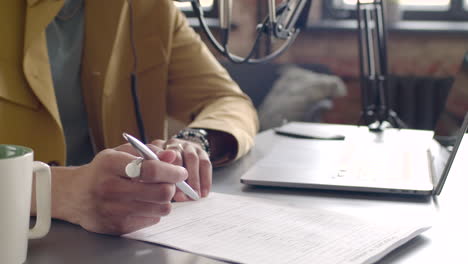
[[194, 159], [133, 168], [99, 197]]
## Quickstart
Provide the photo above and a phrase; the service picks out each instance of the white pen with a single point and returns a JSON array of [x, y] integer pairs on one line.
[[150, 155]]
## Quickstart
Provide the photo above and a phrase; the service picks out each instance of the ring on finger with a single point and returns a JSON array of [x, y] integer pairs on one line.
[[177, 146], [133, 168]]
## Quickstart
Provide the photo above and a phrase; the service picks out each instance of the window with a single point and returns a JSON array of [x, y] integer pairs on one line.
[[437, 5], [435, 10], [210, 12], [407, 4], [209, 8], [186, 6]]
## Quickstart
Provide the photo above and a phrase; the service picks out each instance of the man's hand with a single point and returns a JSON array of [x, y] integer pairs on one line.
[[197, 162], [99, 197]]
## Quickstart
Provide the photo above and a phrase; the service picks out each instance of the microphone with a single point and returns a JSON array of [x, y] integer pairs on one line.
[[225, 7], [284, 22], [285, 19]]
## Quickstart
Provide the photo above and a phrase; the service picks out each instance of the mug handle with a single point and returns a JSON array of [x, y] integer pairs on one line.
[[43, 188]]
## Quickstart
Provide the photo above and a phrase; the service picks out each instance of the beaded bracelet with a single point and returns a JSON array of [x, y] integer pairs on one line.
[[196, 135]]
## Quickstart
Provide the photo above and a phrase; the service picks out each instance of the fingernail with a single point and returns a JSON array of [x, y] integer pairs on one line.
[[204, 192], [183, 171]]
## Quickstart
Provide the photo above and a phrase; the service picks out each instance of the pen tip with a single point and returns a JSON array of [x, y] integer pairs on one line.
[[125, 135]]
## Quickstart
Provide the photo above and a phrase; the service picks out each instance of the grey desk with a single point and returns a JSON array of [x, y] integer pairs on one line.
[[444, 243]]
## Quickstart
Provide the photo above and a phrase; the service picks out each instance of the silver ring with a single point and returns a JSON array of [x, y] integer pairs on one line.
[[133, 168], [177, 146]]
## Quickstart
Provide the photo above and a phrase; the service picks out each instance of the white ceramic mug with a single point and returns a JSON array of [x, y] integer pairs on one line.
[[16, 173]]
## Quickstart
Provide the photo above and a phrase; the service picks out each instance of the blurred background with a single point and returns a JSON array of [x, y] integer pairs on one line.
[[427, 41]]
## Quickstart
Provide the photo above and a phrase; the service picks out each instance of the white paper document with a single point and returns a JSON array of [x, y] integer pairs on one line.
[[250, 230]]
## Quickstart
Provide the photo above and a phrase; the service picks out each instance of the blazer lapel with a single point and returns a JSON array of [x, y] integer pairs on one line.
[[39, 13], [102, 20]]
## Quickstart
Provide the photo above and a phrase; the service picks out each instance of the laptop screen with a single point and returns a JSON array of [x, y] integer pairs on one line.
[[456, 105], [447, 133]]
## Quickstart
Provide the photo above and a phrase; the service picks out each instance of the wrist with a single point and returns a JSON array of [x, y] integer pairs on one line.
[[223, 147], [196, 135], [63, 200]]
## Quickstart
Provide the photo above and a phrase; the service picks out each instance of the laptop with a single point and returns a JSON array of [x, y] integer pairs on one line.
[[352, 158]]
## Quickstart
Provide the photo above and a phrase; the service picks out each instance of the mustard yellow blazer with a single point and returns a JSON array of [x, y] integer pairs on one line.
[[177, 75]]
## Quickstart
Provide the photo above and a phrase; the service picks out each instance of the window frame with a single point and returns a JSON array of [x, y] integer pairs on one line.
[[456, 12]]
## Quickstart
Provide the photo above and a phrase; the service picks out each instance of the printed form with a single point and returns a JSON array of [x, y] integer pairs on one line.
[[251, 230]]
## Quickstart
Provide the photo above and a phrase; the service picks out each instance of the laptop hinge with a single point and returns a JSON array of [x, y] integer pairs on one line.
[[432, 170]]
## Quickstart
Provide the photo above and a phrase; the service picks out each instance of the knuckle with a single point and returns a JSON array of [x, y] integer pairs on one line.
[[172, 140], [166, 192], [120, 211], [191, 157], [169, 141], [123, 147], [154, 171], [150, 169], [122, 227], [179, 159], [158, 142], [106, 158], [165, 209], [125, 229], [107, 153], [205, 164], [156, 220]]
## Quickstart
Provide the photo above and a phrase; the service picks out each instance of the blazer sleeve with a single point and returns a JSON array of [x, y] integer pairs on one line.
[[202, 94]]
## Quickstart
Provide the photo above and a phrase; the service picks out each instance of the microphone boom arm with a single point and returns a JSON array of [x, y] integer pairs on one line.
[[284, 23], [373, 65]]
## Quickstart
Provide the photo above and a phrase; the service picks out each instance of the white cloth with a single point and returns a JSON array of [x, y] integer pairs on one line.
[[294, 94]]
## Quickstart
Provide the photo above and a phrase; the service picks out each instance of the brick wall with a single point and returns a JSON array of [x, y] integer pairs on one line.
[[409, 54]]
